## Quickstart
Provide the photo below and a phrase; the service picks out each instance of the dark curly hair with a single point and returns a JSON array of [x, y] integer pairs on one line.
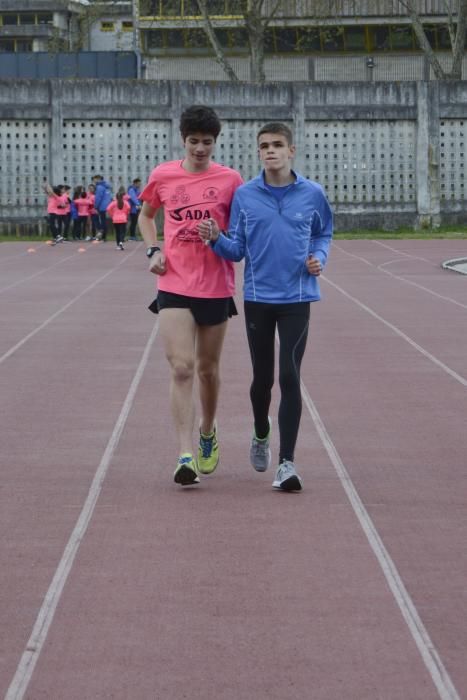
[[199, 119]]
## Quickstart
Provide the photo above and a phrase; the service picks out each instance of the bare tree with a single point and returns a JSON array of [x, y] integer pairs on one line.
[[256, 21], [456, 13]]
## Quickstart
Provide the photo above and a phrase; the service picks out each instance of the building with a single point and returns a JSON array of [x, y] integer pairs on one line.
[[304, 39], [40, 25], [65, 25]]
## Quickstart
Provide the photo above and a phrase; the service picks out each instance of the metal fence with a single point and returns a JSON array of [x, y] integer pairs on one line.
[[80, 64]]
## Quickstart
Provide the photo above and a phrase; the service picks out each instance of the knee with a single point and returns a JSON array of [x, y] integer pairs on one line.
[[181, 371], [208, 374], [289, 380]]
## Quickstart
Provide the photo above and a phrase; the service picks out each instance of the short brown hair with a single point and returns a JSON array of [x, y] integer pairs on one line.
[[277, 128]]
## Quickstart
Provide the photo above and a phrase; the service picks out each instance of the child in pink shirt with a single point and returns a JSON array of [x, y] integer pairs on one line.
[[119, 210]]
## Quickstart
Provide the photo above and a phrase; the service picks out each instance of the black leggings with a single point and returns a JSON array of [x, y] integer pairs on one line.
[[292, 322]]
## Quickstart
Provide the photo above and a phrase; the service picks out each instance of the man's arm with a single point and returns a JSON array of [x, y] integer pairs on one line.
[[147, 226], [321, 231], [230, 246]]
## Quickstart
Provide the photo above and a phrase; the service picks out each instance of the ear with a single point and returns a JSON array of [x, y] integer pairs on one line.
[[292, 150]]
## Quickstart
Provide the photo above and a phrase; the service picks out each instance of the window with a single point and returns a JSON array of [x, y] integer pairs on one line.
[[309, 39], [333, 39], [155, 39], [27, 19], [381, 39], [175, 39], [171, 8], [107, 27], [444, 41], [45, 18], [9, 20], [7, 45], [196, 39], [286, 39], [402, 38], [23, 45], [355, 38], [127, 26]]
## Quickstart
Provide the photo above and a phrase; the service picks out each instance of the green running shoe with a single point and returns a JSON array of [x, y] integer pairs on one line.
[[208, 452], [186, 473]]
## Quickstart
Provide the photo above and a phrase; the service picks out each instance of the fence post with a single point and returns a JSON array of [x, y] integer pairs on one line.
[[298, 111], [56, 168], [427, 155]]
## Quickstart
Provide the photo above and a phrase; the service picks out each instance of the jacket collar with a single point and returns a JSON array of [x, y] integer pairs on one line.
[[259, 179]]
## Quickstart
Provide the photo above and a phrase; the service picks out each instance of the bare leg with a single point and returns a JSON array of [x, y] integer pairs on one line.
[[178, 331], [209, 341]]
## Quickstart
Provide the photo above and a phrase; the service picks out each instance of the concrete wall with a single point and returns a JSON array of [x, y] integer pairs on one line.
[[388, 154]]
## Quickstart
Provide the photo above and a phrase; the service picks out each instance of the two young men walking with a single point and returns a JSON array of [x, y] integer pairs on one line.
[[281, 224]]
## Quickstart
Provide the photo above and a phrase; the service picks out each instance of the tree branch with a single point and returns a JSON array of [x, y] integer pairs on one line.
[[218, 50]]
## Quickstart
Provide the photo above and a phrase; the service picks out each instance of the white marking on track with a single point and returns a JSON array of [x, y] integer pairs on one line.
[[401, 252], [400, 333], [428, 652], [402, 279], [36, 274], [30, 335], [34, 645]]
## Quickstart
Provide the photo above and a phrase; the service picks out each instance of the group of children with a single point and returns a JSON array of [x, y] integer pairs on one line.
[[87, 211]]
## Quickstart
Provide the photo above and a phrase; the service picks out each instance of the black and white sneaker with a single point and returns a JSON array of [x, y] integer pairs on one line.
[[120, 245], [286, 477]]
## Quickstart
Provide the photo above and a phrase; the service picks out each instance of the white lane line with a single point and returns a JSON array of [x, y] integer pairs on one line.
[[36, 274], [398, 277], [419, 286], [351, 255], [427, 649], [30, 656], [401, 252], [400, 333], [30, 335]]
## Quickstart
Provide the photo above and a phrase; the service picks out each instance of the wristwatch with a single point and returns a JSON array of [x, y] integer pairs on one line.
[[151, 250]]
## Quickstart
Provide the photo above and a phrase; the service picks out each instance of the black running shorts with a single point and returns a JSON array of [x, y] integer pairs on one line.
[[206, 312]]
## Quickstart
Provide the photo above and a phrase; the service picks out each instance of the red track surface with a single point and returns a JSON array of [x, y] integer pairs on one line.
[[353, 589]]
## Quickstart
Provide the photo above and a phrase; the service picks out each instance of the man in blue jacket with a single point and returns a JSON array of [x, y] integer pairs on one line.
[[134, 191], [103, 197], [281, 223]]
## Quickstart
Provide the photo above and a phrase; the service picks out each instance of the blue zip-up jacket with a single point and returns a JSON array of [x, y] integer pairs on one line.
[[103, 196], [135, 203], [276, 238]]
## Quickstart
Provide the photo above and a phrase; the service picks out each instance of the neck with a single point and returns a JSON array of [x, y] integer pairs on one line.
[[279, 178], [191, 167]]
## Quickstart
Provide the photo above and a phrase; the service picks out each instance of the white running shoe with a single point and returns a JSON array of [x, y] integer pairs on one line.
[[286, 477], [260, 454]]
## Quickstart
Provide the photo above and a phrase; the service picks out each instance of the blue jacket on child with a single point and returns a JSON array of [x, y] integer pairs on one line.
[[276, 236]]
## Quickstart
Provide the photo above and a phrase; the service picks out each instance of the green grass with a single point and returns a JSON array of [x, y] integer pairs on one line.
[[447, 232]]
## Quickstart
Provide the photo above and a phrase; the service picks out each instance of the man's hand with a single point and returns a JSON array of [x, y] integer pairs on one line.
[[208, 230], [157, 264], [313, 266]]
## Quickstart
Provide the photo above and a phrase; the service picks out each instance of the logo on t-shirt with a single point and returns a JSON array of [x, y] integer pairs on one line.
[[180, 195], [190, 213], [211, 193]]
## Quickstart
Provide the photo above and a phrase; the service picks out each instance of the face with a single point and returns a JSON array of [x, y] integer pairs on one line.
[[198, 151], [275, 152]]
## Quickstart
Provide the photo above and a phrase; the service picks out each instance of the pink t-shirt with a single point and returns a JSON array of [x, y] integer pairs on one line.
[[53, 204], [118, 216], [193, 269], [82, 204]]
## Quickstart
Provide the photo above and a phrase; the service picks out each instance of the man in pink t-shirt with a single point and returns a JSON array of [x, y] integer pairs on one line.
[[195, 287]]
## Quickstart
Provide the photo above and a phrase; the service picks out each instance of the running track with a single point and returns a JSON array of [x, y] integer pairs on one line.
[[115, 583]]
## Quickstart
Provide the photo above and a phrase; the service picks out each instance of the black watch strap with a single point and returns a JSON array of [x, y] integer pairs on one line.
[[151, 250]]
